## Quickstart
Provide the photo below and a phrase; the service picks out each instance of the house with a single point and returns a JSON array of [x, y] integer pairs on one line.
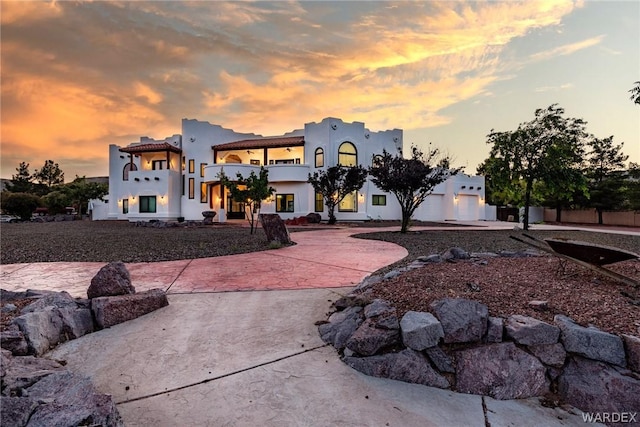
[[179, 176]]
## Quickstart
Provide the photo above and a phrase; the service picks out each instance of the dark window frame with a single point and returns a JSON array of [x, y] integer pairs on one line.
[[203, 192], [125, 206], [202, 165], [355, 204], [318, 202], [128, 168], [289, 205], [145, 204], [379, 200], [192, 166], [342, 153], [319, 154], [192, 188]]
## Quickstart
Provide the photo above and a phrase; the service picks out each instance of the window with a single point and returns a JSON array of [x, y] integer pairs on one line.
[[184, 162], [254, 162], [347, 154], [183, 185], [284, 203], [148, 204], [319, 205], [379, 200], [192, 184], [192, 166], [319, 157], [125, 206], [283, 162], [158, 165], [203, 192], [202, 165], [349, 203], [127, 168]]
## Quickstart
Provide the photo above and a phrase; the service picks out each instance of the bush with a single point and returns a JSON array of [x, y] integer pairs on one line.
[[20, 204]]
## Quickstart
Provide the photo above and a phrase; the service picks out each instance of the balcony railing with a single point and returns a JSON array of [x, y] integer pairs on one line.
[[277, 173]]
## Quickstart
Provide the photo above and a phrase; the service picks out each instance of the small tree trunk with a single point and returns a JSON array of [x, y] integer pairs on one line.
[[599, 210], [331, 210], [558, 212], [405, 222], [527, 201]]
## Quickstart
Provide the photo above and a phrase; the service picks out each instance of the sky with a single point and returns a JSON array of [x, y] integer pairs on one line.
[[78, 76]]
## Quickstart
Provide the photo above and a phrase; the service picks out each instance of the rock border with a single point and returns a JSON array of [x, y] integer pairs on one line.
[[459, 346]]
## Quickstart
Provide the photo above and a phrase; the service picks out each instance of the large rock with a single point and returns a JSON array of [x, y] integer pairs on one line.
[[70, 399], [597, 387], [274, 228], [440, 360], [420, 330], [529, 331], [112, 279], [15, 411], [76, 322], [58, 299], [367, 340], [378, 307], [341, 325], [632, 347], [591, 342], [314, 218], [109, 311], [408, 365], [501, 371], [550, 354], [41, 329], [455, 253], [463, 320], [23, 371]]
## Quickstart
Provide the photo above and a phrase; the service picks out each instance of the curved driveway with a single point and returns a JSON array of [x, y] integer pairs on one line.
[[320, 259]]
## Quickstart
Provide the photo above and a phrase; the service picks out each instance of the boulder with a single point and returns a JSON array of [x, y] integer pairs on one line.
[[529, 331], [314, 218], [420, 330], [274, 228], [591, 342], [367, 340], [501, 371], [632, 347], [109, 311], [539, 305], [57, 299], [69, 399], [550, 354], [408, 366], [23, 371], [455, 253], [16, 411], [462, 320], [341, 326], [495, 328], [41, 329], [440, 359], [112, 279], [435, 258], [378, 307], [76, 322], [594, 386]]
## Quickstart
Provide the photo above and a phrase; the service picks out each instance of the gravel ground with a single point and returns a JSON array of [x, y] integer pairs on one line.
[[420, 243]]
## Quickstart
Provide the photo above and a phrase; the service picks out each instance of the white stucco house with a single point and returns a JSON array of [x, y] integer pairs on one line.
[[179, 176]]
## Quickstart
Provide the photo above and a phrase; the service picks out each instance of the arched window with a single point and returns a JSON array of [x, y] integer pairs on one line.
[[347, 154], [232, 158], [377, 160], [319, 157], [125, 171]]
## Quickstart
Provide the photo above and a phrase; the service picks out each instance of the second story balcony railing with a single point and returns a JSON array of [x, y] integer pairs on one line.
[[277, 173]]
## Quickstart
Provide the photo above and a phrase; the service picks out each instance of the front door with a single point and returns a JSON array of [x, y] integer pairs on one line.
[[235, 210]]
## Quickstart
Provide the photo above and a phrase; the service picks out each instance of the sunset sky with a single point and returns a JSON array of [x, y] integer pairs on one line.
[[79, 76]]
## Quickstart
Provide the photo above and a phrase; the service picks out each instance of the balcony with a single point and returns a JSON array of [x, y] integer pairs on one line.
[[277, 173]]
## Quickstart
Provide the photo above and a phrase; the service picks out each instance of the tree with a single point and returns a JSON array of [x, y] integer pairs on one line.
[[605, 166], [635, 93], [410, 180], [335, 183], [633, 187], [80, 191], [57, 201], [20, 204], [251, 191], [539, 150], [21, 182], [50, 174]]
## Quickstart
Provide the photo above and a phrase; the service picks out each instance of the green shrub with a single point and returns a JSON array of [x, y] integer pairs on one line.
[[20, 204]]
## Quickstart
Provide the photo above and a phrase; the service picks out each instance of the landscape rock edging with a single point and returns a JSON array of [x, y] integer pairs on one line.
[[511, 358]]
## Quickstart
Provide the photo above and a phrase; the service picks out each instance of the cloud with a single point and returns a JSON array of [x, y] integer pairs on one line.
[[567, 49], [78, 76]]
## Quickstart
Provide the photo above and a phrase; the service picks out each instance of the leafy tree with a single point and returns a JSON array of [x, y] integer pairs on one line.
[[22, 181], [335, 183], [539, 150], [57, 201], [251, 191], [633, 187], [605, 166], [410, 180], [80, 191], [20, 204], [50, 174], [635, 93]]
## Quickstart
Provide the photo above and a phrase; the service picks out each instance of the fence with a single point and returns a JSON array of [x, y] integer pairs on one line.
[[590, 216]]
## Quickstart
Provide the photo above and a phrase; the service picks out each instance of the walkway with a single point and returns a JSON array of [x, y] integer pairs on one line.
[[255, 358]]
